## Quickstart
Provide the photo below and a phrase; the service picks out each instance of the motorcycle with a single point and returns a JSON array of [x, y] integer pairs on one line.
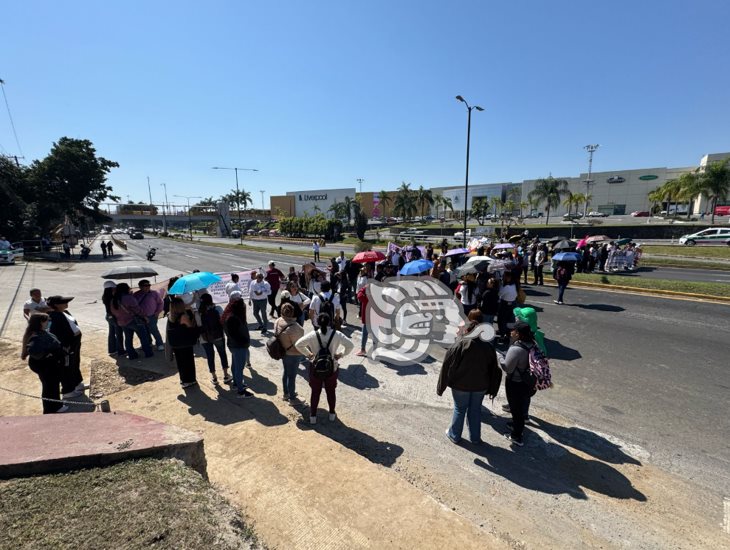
[[151, 254], [85, 251]]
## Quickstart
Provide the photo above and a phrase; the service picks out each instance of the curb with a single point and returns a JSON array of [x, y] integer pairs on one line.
[[650, 291]]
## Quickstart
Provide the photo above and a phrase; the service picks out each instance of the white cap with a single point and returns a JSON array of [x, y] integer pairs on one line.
[[235, 295], [110, 284]]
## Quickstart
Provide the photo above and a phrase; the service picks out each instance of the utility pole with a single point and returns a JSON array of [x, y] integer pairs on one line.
[[262, 199], [468, 143], [149, 189], [238, 194], [164, 209], [360, 180], [591, 149]]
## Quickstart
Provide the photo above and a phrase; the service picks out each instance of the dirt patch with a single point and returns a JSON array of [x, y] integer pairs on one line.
[[108, 377], [136, 504]]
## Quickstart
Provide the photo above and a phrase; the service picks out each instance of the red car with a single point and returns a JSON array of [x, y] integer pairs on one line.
[[640, 214], [722, 211]]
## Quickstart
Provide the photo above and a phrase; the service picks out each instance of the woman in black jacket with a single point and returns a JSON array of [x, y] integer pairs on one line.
[[64, 327], [115, 336], [182, 334], [471, 370], [239, 340], [45, 358]]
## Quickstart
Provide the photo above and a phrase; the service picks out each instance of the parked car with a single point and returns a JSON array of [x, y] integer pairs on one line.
[[534, 215], [274, 233], [722, 211], [250, 232], [640, 214], [595, 214], [236, 233], [264, 233], [571, 216], [7, 256], [714, 235], [137, 235]]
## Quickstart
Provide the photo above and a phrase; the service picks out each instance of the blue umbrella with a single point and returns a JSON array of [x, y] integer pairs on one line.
[[416, 266], [567, 257], [193, 282]]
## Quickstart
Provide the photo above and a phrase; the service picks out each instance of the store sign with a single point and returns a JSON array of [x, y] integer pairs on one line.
[[648, 177], [616, 179], [303, 198]]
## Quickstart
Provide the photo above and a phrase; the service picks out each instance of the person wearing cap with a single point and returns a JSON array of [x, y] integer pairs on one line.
[[258, 296], [64, 327], [115, 336], [36, 304], [471, 370], [274, 277], [516, 367], [151, 305], [131, 318], [45, 358]]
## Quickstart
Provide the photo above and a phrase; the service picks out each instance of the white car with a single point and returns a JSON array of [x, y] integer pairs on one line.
[[714, 235], [595, 214]]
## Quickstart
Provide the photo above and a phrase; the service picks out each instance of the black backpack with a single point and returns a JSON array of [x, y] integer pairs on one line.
[[323, 364], [327, 306]]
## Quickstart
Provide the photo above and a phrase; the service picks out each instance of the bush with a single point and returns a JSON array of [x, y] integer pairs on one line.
[[314, 226], [362, 246]]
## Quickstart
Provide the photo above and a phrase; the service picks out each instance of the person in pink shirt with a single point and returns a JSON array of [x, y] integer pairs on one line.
[[150, 302]]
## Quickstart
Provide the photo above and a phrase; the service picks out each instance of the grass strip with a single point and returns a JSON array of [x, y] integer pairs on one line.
[[134, 504], [689, 287], [717, 252], [655, 261]]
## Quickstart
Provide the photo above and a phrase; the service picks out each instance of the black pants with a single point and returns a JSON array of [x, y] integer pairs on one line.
[[272, 302], [518, 397], [538, 275], [49, 372], [505, 315], [71, 373], [185, 360]]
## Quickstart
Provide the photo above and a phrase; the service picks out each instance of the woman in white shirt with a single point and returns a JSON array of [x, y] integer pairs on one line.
[[468, 293], [507, 302], [309, 345], [300, 300]]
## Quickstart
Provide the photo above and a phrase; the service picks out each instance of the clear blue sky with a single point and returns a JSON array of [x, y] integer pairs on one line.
[[317, 94]]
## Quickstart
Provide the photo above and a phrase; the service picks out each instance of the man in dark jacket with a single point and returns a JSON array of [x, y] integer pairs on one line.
[[471, 370]]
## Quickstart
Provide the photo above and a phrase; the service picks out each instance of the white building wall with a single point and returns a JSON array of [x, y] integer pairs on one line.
[[305, 201]]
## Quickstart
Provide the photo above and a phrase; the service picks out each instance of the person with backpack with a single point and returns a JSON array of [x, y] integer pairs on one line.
[[45, 358], [239, 340], [327, 302], [471, 370], [519, 383], [287, 331], [212, 337], [562, 275], [322, 347]]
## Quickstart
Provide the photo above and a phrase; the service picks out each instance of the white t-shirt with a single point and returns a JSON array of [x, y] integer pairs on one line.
[[31, 305], [341, 261], [309, 344], [317, 303], [259, 291], [508, 293], [232, 287]]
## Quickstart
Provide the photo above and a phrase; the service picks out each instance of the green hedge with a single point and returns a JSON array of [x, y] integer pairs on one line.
[[314, 226]]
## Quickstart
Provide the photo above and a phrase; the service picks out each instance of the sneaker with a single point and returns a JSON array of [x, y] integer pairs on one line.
[[361, 353], [188, 385], [477, 442], [215, 381], [63, 409], [506, 408], [81, 387], [245, 394], [312, 419], [72, 394], [333, 416], [161, 347], [227, 379], [514, 440], [285, 397], [558, 302], [293, 396], [454, 441]]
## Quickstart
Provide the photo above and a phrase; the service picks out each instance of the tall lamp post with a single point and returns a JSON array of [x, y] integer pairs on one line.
[[591, 149], [468, 139], [190, 218], [262, 191], [165, 207], [238, 193]]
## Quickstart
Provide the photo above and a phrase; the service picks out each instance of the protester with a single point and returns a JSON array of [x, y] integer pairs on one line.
[[66, 248], [274, 277], [471, 370], [540, 259], [315, 250], [562, 275], [362, 298], [103, 248], [292, 276], [151, 305], [326, 338], [36, 304], [110, 249], [467, 293], [315, 283], [507, 301], [341, 262], [362, 279], [232, 285], [45, 358], [517, 378], [239, 340], [489, 301], [342, 289], [166, 299], [212, 337], [258, 296], [288, 331], [182, 335], [326, 302], [64, 327], [115, 335], [132, 320]]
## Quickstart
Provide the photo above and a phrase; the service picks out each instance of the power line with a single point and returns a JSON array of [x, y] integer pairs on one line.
[[10, 116]]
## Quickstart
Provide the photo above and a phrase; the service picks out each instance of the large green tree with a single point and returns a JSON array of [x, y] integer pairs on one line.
[[714, 183], [405, 202], [549, 190], [14, 198], [424, 197]]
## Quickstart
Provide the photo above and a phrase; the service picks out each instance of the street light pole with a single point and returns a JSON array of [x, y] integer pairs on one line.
[[238, 194], [591, 149], [468, 140], [262, 191], [165, 207], [190, 218]]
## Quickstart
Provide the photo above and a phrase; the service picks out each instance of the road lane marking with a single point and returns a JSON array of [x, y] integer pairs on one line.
[[189, 256], [243, 267], [226, 254]]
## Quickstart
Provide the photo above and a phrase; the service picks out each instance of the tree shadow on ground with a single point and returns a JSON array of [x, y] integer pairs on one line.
[[356, 375], [378, 452], [586, 441], [228, 409], [261, 384], [556, 350], [530, 291], [598, 307]]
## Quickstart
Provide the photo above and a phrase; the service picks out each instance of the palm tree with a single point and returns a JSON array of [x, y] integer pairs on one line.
[[338, 210], [348, 204], [239, 198], [569, 202], [423, 197], [655, 197], [549, 190], [523, 205], [480, 209], [405, 201], [446, 202], [714, 183], [385, 199]]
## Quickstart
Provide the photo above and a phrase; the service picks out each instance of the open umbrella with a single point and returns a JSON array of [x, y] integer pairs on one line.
[[597, 239], [416, 266], [456, 252], [624, 241], [567, 257], [498, 265], [503, 246], [193, 281], [129, 272], [554, 239], [368, 256], [565, 245], [515, 238], [477, 264]]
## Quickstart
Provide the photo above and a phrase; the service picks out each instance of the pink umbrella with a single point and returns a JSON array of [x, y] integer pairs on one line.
[[581, 243], [597, 239]]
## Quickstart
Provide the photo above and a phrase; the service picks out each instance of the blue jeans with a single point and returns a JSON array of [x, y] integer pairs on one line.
[[259, 311], [289, 378], [115, 339], [153, 330], [488, 318], [467, 404], [561, 291], [239, 357], [209, 348], [144, 338]]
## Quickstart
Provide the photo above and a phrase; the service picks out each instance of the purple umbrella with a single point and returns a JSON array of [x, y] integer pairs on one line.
[[503, 246], [456, 252]]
